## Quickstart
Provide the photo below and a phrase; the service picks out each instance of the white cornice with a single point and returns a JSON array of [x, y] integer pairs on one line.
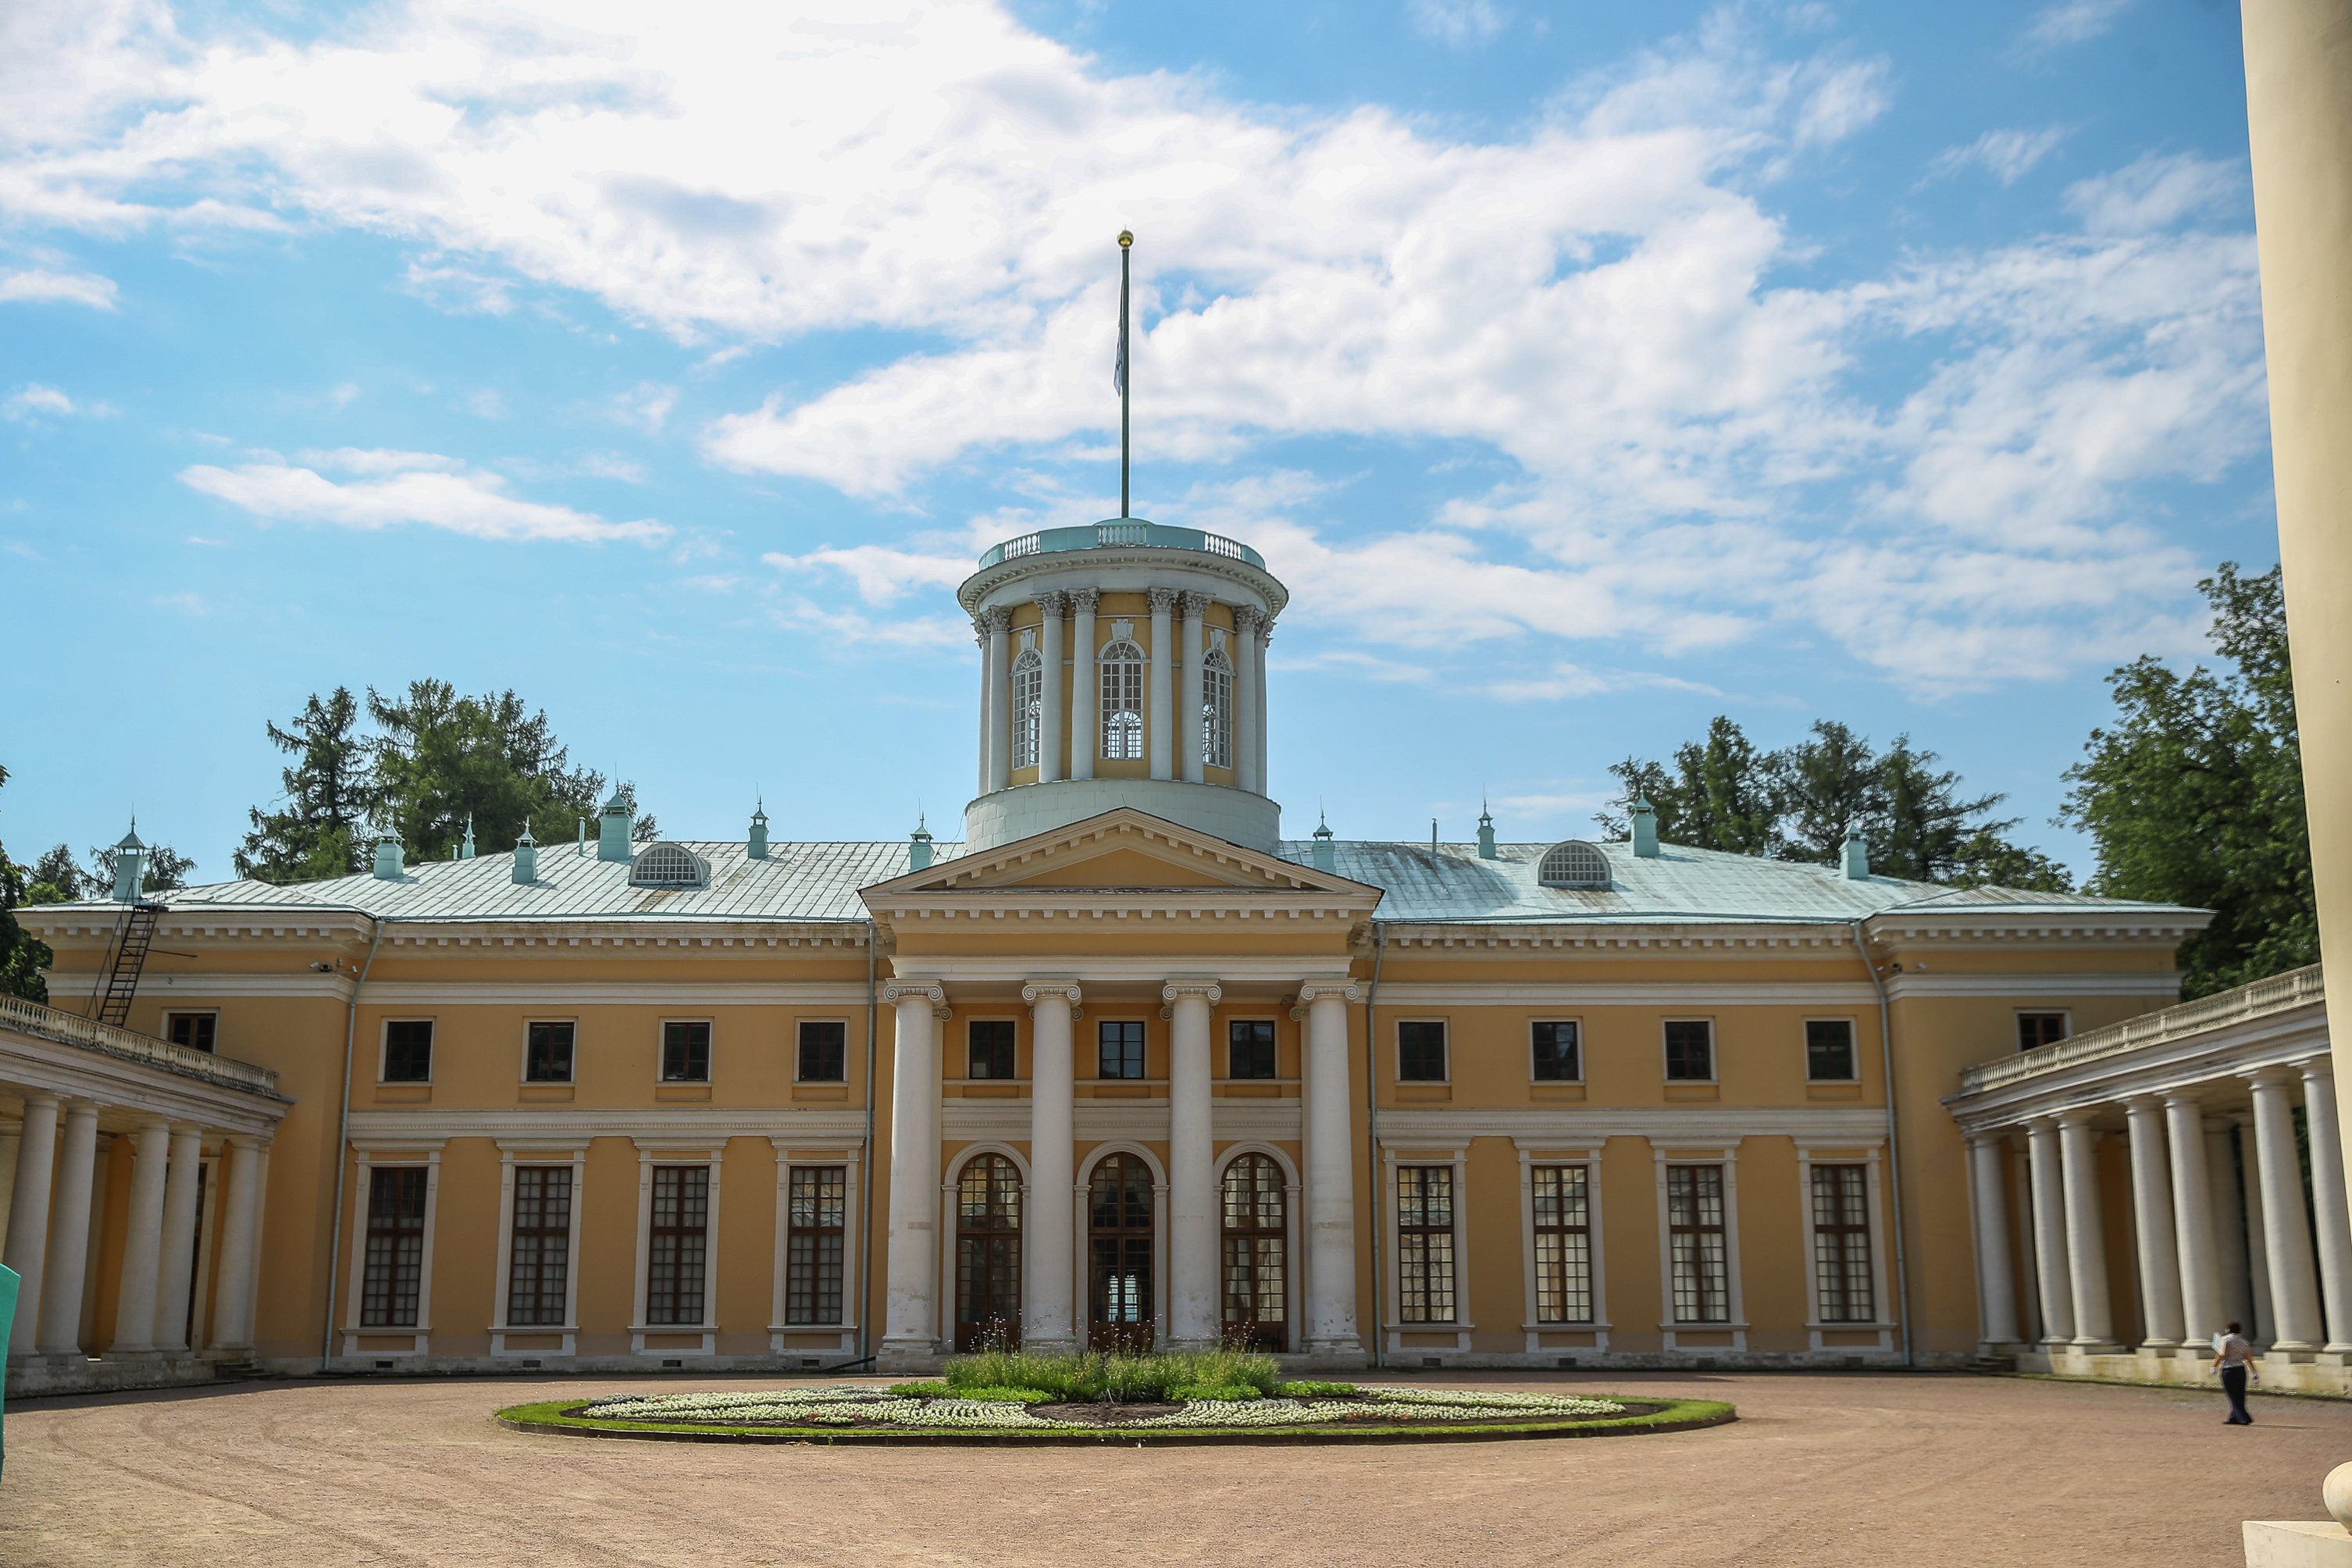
[[1098, 1118], [536, 1125], [1290, 969], [2130, 983], [1568, 993], [1671, 1123]]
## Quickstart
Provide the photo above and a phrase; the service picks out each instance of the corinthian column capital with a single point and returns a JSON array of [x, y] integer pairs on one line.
[[1084, 600], [1163, 600], [1195, 604], [1248, 619], [1055, 603], [997, 619]]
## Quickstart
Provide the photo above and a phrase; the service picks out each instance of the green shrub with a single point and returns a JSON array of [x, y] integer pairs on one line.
[[1116, 1376], [1214, 1391], [1006, 1396], [1308, 1389], [919, 1389]]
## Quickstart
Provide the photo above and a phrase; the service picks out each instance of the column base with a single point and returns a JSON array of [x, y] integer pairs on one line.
[[2084, 1344], [1338, 1354], [1193, 1345], [909, 1353], [2159, 1347], [2292, 1351], [1050, 1344]]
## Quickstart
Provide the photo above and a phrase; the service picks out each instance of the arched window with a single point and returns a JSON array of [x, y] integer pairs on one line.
[[1574, 864], [1121, 663], [1217, 709], [988, 1254], [668, 865], [1118, 1238], [1028, 706], [1256, 1240]]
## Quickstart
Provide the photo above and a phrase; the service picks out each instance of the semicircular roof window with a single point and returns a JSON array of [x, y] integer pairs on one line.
[[668, 866], [1574, 864]]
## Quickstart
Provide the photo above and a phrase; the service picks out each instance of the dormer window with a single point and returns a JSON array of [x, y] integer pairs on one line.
[[1574, 864], [668, 866]]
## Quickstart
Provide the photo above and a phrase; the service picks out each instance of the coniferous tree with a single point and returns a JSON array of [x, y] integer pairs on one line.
[[22, 956], [1923, 827], [55, 877], [165, 870], [1829, 785], [316, 834]]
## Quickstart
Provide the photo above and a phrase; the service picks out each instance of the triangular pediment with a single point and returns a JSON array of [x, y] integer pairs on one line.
[[1123, 850]]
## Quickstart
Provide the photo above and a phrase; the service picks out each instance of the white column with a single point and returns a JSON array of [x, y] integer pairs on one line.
[[2087, 1232], [2286, 1235], [1086, 686], [11, 1137], [143, 1240], [2233, 1241], [910, 1280], [1330, 1174], [1192, 694], [2193, 1220], [2152, 1226], [1052, 730], [1246, 772], [29, 1214], [1995, 1281], [1163, 648], [1257, 675], [234, 1258], [2049, 1234], [1048, 1277], [2327, 1198], [1195, 1315], [61, 1286], [999, 622], [2020, 1167], [980, 636], [178, 1268]]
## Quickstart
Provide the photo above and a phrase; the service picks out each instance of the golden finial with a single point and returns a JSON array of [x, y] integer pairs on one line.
[[1125, 239]]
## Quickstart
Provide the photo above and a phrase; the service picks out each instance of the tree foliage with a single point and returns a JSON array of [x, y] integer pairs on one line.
[[1802, 802], [2194, 793], [165, 870], [22, 957], [315, 834]]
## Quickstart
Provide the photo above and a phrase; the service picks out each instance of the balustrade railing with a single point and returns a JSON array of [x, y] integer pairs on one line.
[[73, 1029], [2275, 994], [1127, 532]]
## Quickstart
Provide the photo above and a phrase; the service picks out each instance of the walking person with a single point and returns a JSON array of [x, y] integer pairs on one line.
[[2233, 1358]]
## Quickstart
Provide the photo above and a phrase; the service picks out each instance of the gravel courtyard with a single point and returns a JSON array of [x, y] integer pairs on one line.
[[1821, 1469]]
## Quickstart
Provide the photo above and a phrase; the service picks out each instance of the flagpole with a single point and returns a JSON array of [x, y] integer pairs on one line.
[[1126, 372]]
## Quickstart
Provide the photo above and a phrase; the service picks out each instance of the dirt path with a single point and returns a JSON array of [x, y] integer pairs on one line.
[[1821, 1471]]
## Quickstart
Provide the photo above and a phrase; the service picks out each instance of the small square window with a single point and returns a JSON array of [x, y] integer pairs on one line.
[[686, 1052], [1557, 1058], [198, 1031], [2038, 1029], [1829, 1050], [824, 1053], [992, 1049], [1690, 1051], [408, 1051], [1249, 1048], [1121, 1047], [547, 1054], [1421, 1053]]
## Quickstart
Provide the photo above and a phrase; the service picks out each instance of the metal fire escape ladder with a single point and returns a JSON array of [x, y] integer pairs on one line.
[[126, 956]]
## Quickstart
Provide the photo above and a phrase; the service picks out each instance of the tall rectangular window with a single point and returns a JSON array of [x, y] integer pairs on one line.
[[679, 1244], [1425, 1244], [1249, 1048], [1028, 707], [408, 1051], [2038, 1029], [539, 1274], [1217, 711], [1690, 1051], [547, 1053], [1841, 1243], [1829, 1050], [1120, 1047], [814, 1242], [1421, 1053], [992, 1047], [686, 1052], [1122, 701], [198, 1031], [1563, 1244], [1557, 1057], [824, 1053], [1702, 1274], [394, 1270]]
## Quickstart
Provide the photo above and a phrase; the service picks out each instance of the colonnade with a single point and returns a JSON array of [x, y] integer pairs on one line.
[[1177, 652], [50, 1232], [2204, 1256], [916, 1305]]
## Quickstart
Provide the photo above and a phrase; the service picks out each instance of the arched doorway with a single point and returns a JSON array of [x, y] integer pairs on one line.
[[1118, 1243], [1257, 1246], [988, 1254]]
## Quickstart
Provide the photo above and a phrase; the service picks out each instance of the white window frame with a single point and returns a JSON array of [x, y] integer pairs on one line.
[[383, 1048], [538, 1151], [1864, 1153], [1028, 709], [848, 1033], [1735, 1298], [1534, 1152], [852, 1158], [367, 1156], [1216, 710], [1396, 1051], [661, 1044], [1105, 712], [1854, 1038], [1714, 1049], [522, 1066], [1577, 1019], [1393, 1155], [652, 1152]]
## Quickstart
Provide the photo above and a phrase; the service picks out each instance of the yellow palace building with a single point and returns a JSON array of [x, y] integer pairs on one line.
[[1123, 1066]]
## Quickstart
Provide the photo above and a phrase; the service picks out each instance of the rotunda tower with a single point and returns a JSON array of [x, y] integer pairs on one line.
[[1123, 663]]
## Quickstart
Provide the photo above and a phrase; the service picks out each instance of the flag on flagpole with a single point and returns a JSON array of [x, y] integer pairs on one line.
[[1118, 369]]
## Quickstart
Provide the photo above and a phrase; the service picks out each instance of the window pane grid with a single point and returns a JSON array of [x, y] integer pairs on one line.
[[988, 1253], [1690, 1050], [1829, 1050], [1028, 707], [1249, 1048], [1557, 1059], [991, 1043], [686, 1052], [1695, 1238], [1421, 1053], [548, 1055], [1563, 1244], [1122, 702], [1841, 1243], [1217, 711], [679, 1244], [1425, 1244], [824, 1052], [394, 1270], [408, 1051], [1120, 1048], [538, 1272], [815, 1240]]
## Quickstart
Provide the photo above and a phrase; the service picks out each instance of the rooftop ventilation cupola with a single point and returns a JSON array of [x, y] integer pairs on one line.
[[612, 827]]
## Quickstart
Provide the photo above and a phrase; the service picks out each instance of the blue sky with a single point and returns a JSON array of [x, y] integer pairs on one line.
[[1586, 371]]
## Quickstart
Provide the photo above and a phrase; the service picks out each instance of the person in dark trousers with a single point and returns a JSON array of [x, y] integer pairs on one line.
[[2233, 1358]]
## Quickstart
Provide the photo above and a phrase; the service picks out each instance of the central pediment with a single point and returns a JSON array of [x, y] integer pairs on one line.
[[1122, 851]]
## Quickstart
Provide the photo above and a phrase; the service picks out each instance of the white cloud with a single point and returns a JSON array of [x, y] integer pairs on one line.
[[2074, 21], [2007, 155], [1456, 23], [486, 405], [395, 488], [35, 402], [647, 406], [2158, 191], [39, 285], [883, 576]]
